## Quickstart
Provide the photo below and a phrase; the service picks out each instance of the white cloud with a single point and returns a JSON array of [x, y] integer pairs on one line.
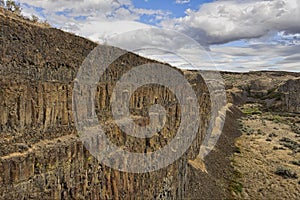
[[101, 18], [182, 1], [105, 10], [100, 9], [257, 57], [100, 31], [239, 58], [225, 21], [270, 28]]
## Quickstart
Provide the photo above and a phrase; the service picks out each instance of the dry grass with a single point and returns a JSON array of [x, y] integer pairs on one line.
[[23, 19], [262, 154]]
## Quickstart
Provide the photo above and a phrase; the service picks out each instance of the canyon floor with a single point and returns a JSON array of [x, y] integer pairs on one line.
[[267, 163], [267, 159]]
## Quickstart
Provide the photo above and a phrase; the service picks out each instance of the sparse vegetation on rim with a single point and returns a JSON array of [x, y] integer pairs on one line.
[[15, 9], [11, 6]]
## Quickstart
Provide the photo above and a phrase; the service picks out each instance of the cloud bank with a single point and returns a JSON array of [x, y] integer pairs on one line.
[[241, 35], [225, 21]]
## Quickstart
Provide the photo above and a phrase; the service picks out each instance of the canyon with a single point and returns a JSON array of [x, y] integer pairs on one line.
[[42, 156]]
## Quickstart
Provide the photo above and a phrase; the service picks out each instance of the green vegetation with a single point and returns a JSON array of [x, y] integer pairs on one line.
[[251, 111], [236, 187], [275, 118]]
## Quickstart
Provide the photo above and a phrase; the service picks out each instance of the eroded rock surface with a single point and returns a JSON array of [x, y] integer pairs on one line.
[[41, 154]]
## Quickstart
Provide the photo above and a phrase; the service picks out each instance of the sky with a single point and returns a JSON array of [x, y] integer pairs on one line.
[[239, 35]]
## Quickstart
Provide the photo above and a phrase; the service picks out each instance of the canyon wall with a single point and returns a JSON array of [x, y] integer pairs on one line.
[[277, 91], [289, 93], [41, 155]]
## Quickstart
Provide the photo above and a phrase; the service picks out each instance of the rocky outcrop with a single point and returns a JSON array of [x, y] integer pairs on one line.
[[277, 91], [41, 156], [289, 93]]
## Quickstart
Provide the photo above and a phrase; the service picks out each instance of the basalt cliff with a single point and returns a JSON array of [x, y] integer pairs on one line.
[[42, 156]]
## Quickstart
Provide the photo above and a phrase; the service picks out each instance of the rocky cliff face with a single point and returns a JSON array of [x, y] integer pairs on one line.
[[277, 91], [289, 93], [41, 156]]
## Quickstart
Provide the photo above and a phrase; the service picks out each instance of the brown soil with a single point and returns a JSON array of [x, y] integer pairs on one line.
[[220, 174], [264, 152]]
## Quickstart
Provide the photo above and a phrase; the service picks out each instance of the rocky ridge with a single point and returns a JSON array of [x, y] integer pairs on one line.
[[41, 154]]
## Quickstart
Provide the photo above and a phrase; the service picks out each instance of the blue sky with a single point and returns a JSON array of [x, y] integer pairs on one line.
[[170, 6], [240, 35], [177, 10]]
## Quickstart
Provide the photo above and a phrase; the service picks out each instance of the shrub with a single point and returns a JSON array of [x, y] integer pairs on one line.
[[11, 5], [286, 173], [34, 18], [296, 162], [236, 187], [251, 111]]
